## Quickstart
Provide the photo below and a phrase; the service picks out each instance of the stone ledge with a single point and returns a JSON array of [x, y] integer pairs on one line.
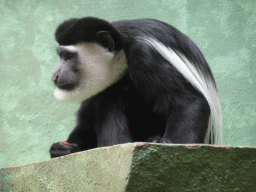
[[139, 167]]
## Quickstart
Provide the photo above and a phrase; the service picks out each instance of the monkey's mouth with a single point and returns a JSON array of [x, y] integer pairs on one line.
[[66, 86]]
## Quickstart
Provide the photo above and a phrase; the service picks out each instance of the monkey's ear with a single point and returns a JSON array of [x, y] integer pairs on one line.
[[105, 40]]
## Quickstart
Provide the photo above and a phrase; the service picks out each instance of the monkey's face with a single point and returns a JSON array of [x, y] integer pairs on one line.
[[84, 70]]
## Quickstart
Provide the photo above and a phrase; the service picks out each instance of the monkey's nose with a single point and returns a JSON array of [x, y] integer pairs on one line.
[[54, 78]]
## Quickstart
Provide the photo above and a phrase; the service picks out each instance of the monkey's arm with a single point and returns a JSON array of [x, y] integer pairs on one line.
[[111, 125], [82, 137]]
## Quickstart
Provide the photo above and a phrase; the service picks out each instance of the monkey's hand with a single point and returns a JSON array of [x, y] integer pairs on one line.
[[63, 148]]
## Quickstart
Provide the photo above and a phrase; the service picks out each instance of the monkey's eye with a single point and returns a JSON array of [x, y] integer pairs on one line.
[[69, 56], [66, 55]]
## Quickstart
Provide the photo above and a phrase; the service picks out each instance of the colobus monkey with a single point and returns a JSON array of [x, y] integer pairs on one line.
[[137, 80]]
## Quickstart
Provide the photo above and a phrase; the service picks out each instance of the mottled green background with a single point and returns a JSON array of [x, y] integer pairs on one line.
[[31, 119]]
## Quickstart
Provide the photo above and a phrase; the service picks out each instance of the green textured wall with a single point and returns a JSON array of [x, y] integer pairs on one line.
[[31, 119]]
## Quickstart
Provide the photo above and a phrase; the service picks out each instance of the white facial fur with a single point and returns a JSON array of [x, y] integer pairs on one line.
[[100, 69]]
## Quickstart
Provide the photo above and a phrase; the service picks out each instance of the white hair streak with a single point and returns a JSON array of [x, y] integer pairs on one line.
[[200, 81]]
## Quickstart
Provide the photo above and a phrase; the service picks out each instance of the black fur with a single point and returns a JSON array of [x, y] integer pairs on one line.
[[76, 31], [152, 102]]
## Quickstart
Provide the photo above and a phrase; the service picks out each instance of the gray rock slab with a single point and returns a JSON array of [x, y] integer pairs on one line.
[[139, 167]]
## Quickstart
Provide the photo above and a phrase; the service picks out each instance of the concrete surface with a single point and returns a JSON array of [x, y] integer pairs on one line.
[[139, 167]]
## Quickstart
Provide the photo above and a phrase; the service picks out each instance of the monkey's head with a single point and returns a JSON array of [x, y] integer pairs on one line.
[[90, 58]]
